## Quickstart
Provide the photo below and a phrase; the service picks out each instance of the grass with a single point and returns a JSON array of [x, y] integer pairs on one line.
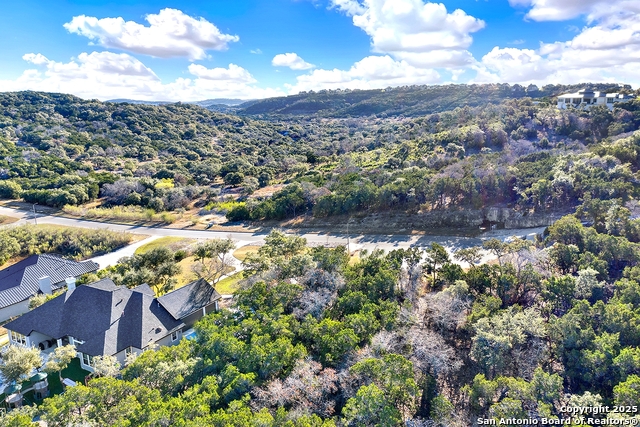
[[121, 213], [172, 242], [242, 252], [187, 275], [73, 371], [223, 207], [7, 219], [229, 285]]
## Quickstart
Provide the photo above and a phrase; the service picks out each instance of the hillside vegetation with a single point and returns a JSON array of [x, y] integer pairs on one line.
[[408, 101], [404, 338], [59, 150], [317, 338]]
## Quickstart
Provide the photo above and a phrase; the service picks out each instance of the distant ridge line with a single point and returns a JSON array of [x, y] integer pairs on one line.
[[229, 102]]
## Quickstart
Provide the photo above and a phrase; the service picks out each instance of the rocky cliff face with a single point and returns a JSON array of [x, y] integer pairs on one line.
[[514, 219], [501, 217]]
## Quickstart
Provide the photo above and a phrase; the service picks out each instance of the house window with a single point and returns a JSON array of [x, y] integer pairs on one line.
[[609, 100], [128, 351], [175, 336], [18, 338], [87, 359]]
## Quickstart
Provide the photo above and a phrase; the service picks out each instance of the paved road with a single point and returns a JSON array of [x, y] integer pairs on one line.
[[367, 241]]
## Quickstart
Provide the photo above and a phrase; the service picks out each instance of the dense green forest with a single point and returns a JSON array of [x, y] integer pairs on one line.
[[315, 337], [389, 339], [487, 145], [408, 101]]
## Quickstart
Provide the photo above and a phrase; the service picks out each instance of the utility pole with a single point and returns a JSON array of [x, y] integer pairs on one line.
[[348, 248], [35, 216]]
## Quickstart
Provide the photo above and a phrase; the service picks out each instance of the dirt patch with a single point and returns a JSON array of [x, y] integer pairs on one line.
[[4, 220], [267, 191]]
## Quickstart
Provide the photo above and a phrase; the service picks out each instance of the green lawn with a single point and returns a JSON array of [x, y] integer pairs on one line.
[[172, 242], [73, 371], [229, 285], [242, 252]]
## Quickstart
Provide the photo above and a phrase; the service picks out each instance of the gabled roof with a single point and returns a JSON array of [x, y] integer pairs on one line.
[[109, 318], [145, 289], [189, 299], [19, 282]]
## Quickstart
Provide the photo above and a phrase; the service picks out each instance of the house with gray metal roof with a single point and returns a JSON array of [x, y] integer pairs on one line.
[[586, 98], [104, 319], [36, 274]]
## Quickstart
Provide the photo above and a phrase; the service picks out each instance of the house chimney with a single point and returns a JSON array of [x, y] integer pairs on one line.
[[45, 284], [71, 283]]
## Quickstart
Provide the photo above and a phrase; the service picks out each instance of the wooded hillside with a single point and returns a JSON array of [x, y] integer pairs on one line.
[[60, 150]]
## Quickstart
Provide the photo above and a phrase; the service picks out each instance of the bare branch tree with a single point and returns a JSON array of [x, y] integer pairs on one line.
[[213, 259]]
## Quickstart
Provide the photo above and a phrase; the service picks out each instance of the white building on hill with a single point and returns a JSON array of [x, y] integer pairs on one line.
[[586, 98]]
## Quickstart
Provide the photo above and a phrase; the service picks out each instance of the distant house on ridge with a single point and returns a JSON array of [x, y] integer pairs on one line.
[[587, 98]]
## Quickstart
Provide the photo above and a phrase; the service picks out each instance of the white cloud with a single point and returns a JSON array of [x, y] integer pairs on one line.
[[233, 73], [37, 59], [422, 34], [291, 60], [107, 75], [512, 65], [170, 33], [369, 73], [560, 10], [607, 51], [256, 51], [555, 10]]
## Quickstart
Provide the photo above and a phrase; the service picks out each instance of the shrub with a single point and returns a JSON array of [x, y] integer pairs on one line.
[[180, 255], [10, 190], [239, 213]]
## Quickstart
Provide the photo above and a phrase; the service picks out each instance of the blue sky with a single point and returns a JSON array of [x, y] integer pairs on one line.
[[191, 50]]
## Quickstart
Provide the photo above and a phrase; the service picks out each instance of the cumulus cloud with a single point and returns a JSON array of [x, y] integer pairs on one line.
[[107, 75], [560, 10], [555, 10], [422, 34], [609, 50], [232, 73], [369, 73], [512, 65], [291, 60], [170, 33]]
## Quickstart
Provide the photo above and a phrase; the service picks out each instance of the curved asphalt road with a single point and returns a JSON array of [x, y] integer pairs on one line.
[[362, 241]]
